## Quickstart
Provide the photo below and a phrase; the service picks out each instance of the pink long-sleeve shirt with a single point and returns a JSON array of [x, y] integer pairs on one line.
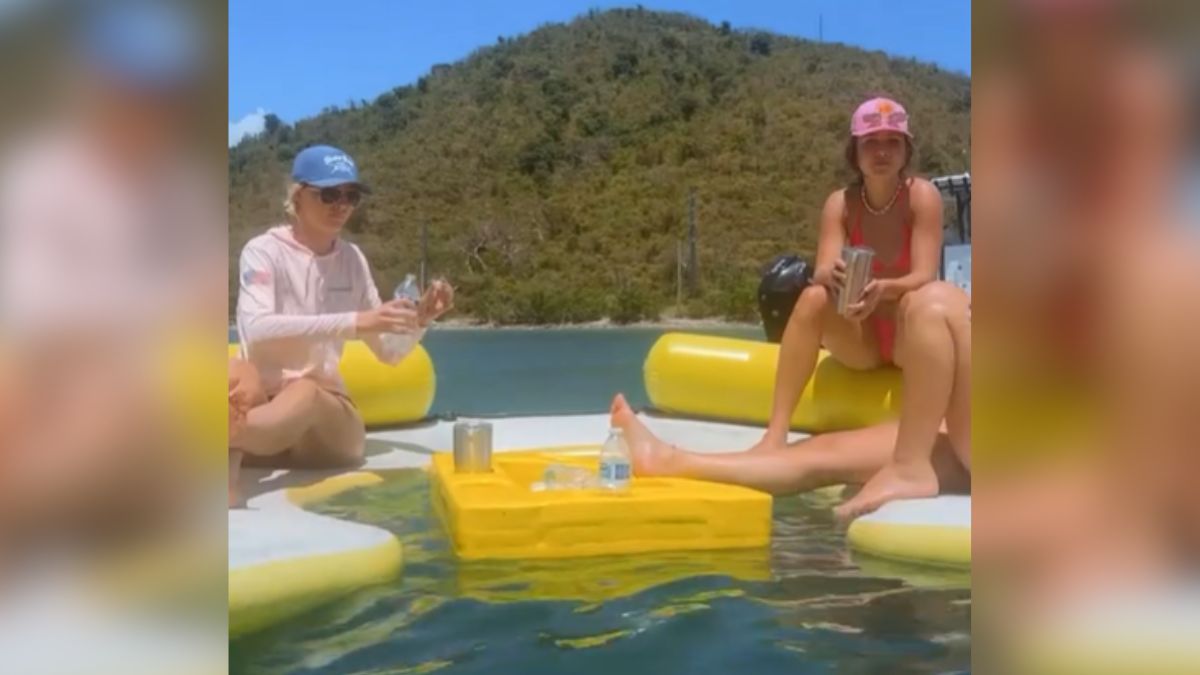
[[296, 309]]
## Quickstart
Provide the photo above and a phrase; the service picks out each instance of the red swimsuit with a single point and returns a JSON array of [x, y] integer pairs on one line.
[[885, 327]]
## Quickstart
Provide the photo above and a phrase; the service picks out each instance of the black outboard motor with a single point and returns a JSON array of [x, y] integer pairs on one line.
[[778, 291]]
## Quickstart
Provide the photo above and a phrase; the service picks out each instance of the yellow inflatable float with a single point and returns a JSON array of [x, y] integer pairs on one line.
[[729, 379], [386, 394], [733, 380], [933, 531], [284, 561], [284, 564]]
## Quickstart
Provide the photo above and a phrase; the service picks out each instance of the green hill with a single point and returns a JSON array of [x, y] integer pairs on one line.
[[553, 169]]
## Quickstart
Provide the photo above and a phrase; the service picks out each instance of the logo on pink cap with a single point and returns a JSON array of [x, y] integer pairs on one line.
[[879, 114]]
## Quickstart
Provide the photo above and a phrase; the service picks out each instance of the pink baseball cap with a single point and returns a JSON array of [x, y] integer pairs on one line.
[[879, 114]]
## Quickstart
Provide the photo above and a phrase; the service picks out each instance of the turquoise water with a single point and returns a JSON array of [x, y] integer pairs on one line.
[[499, 372], [806, 605]]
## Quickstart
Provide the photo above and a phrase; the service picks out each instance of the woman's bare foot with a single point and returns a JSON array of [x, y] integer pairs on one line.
[[651, 456], [894, 481]]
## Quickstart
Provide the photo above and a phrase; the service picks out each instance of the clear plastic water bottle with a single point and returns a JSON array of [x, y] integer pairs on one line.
[[615, 463], [406, 290], [565, 477]]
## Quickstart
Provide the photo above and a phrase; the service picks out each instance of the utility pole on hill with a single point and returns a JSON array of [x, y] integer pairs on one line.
[[424, 271], [678, 273], [693, 271]]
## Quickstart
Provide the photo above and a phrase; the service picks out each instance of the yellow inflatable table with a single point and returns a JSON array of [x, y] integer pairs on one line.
[[497, 515]]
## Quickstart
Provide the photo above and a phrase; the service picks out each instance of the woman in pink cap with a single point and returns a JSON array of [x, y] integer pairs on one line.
[[304, 291], [903, 317]]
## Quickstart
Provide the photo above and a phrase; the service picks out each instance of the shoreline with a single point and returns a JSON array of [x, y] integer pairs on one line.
[[602, 324], [465, 324]]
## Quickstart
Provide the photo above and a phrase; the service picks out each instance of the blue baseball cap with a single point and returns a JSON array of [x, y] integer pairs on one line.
[[325, 166], [148, 45]]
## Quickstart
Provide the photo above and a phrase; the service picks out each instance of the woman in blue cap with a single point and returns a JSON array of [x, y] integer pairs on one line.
[[303, 292]]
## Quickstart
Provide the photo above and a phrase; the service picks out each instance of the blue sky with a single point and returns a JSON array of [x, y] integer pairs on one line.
[[294, 58]]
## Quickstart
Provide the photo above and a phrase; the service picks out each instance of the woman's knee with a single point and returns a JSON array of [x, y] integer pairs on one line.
[[811, 304], [936, 300], [302, 394]]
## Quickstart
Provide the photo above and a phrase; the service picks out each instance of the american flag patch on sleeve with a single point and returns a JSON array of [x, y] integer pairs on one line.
[[251, 277]]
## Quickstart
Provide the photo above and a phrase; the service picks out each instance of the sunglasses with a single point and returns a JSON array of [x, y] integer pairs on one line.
[[332, 195]]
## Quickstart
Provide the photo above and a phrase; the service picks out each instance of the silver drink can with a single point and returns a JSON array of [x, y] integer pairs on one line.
[[472, 447], [858, 273]]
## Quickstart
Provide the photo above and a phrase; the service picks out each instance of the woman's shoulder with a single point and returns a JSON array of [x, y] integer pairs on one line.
[[264, 242], [353, 250], [259, 242], [265, 235], [838, 205], [922, 190], [836, 201]]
